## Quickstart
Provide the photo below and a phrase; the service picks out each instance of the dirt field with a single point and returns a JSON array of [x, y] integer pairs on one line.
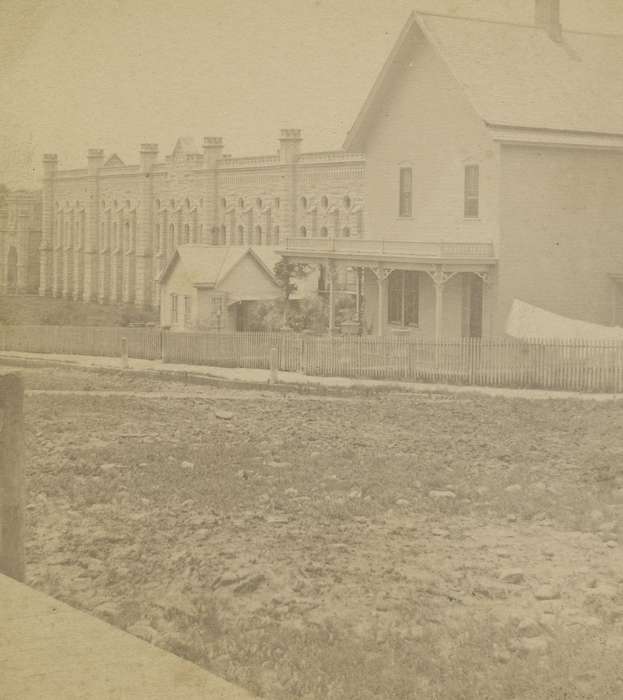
[[395, 546]]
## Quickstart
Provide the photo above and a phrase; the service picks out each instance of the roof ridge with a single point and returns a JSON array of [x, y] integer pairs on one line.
[[522, 25], [483, 20]]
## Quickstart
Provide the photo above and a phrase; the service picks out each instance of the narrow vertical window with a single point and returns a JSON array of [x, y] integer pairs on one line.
[[472, 176], [173, 308], [403, 303], [406, 192], [187, 311]]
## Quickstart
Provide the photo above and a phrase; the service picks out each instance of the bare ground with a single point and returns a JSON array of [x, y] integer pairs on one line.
[[394, 546]]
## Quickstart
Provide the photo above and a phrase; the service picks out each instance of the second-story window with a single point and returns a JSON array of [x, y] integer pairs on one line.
[[472, 191], [405, 207]]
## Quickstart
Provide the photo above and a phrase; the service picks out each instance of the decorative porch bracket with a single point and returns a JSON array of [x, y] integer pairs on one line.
[[381, 273], [440, 277]]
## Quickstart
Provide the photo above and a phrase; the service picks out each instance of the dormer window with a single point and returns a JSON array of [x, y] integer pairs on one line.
[[472, 191]]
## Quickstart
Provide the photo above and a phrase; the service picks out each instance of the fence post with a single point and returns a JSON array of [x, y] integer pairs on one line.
[[301, 354], [273, 360], [124, 353], [12, 476]]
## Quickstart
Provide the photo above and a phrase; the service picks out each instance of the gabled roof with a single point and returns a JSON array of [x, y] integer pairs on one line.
[[184, 146], [515, 75], [209, 265], [113, 161]]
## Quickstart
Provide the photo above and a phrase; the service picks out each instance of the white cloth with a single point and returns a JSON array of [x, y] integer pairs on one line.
[[527, 321]]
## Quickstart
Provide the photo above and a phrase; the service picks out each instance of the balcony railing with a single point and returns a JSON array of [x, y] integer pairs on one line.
[[420, 249]]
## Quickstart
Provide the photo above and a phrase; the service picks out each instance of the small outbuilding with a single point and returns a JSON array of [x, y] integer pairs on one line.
[[207, 287]]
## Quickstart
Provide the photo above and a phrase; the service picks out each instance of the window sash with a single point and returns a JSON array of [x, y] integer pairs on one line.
[[405, 206], [403, 301], [174, 308], [472, 191]]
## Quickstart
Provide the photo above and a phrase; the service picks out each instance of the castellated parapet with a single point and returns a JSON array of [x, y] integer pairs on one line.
[[108, 229]]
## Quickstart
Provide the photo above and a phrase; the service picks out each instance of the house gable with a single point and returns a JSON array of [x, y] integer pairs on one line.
[[427, 124], [249, 280]]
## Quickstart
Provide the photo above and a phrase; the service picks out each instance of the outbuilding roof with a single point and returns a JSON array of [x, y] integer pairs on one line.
[[208, 265]]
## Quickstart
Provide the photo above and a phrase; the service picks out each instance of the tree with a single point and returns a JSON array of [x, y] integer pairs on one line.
[[286, 273]]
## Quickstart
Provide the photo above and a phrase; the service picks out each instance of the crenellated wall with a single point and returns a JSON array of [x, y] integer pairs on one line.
[[109, 229]]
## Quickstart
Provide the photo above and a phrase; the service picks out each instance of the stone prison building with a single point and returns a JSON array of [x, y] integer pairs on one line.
[[108, 230]]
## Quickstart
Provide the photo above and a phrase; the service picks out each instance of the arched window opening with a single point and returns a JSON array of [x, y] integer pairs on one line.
[[241, 203], [277, 202], [240, 240], [347, 202], [304, 202], [258, 203], [324, 202], [303, 232], [324, 233], [223, 202], [258, 235], [276, 235], [186, 233], [171, 238], [187, 203], [346, 232], [126, 235], [157, 204]]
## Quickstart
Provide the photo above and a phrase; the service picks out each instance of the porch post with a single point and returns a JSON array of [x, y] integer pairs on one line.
[[382, 273], [439, 283], [486, 303]]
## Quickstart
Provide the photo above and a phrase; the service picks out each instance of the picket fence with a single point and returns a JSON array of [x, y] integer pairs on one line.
[[574, 365]]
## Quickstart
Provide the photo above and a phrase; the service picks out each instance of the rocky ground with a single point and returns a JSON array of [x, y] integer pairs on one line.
[[393, 546]]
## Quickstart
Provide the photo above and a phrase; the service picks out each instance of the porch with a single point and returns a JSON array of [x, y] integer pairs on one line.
[[422, 288]]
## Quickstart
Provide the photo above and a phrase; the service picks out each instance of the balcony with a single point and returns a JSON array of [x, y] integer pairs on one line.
[[384, 249]]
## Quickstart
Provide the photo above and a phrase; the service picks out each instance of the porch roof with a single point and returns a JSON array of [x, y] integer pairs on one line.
[[370, 251]]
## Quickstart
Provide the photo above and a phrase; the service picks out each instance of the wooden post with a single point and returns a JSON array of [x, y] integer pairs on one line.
[[273, 362], [124, 353], [12, 476]]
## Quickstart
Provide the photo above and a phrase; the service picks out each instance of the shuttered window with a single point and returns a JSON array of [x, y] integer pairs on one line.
[[405, 207], [472, 187]]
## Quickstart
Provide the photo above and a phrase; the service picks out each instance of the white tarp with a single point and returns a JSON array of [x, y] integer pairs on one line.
[[527, 321]]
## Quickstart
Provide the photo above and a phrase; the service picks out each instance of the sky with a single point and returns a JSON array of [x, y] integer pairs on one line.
[[112, 74]]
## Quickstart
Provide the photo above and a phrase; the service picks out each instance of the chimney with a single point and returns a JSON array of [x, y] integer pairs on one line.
[[212, 150], [148, 155], [547, 16], [289, 145]]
